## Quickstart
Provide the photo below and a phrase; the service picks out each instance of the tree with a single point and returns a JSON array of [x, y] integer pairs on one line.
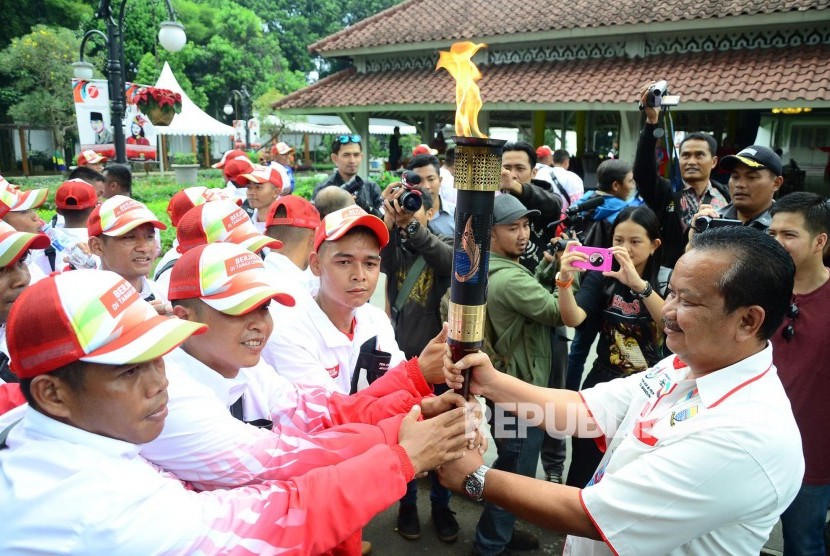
[[302, 22], [39, 65], [20, 16]]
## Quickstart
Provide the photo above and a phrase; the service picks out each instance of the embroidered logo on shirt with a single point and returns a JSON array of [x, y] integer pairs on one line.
[[334, 372], [687, 413]]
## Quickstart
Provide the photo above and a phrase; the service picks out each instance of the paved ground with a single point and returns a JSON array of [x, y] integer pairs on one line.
[[385, 541]]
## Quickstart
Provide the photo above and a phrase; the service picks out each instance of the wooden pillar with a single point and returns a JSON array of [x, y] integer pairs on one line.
[[538, 125], [484, 122], [581, 121], [206, 148], [163, 154], [429, 129], [629, 134], [306, 150], [23, 154], [193, 147]]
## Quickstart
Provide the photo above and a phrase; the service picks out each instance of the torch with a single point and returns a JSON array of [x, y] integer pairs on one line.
[[477, 178]]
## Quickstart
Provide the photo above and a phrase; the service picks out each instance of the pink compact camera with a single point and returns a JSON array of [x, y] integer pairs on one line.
[[599, 259]]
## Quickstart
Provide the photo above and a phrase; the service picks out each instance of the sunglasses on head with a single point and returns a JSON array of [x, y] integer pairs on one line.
[[348, 139], [789, 330]]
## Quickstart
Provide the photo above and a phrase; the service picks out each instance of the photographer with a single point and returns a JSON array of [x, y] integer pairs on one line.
[[625, 306], [418, 264], [756, 173], [518, 179], [674, 209], [346, 154]]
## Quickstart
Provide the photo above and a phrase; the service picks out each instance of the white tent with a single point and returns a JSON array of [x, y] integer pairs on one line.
[[192, 120]]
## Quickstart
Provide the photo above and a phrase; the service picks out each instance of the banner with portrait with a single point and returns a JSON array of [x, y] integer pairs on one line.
[[95, 131]]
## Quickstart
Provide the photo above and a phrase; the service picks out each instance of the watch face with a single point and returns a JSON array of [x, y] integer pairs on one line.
[[473, 487]]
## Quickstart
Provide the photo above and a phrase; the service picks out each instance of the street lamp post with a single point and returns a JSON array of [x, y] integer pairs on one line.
[[172, 38], [245, 98]]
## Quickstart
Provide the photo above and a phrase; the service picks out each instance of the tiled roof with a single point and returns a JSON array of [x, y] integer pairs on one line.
[[784, 74], [416, 21]]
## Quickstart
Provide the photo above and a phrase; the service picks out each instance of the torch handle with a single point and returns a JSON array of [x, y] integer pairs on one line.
[[457, 351]]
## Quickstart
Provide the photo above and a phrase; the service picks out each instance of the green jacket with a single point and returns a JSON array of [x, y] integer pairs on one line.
[[521, 310]]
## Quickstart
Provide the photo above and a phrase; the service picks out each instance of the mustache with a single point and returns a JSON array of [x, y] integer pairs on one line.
[[670, 324]]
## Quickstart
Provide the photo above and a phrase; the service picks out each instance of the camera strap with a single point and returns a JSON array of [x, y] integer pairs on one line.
[[412, 276], [676, 179]]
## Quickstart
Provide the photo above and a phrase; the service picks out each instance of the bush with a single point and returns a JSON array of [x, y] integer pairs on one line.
[[184, 158]]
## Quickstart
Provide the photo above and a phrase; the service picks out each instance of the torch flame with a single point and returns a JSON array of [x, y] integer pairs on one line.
[[459, 62]]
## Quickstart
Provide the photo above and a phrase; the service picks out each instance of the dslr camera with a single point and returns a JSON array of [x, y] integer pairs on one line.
[[410, 200], [703, 223]]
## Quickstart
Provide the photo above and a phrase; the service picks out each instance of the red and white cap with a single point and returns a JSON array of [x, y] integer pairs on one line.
[[14, 244], [299, 213], [260, 174], [227, 277], [118, 215], [543, 151], [185, 199], [337, 223], [229, 155], [18, 200], [220, 222], [236, 166], [90, 157], [88, 315], [282, 148], [423, 149], [76, 195]]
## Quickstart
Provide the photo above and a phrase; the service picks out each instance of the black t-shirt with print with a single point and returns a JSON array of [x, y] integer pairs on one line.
[[629, 340]]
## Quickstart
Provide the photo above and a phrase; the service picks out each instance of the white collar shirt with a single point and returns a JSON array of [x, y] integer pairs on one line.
[[701, 466], [310, 350], [68, 491], [203, 443]]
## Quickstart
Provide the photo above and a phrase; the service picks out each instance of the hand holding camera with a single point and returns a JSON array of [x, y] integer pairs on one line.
[[402, 200]]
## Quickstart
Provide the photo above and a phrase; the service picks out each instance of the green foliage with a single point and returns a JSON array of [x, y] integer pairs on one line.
[[184, 158], [20, 17], [302, 22], [39, 65]]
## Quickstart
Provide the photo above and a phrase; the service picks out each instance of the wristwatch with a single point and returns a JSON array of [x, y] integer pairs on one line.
[[643, 294], [412, 228], [474, 483]]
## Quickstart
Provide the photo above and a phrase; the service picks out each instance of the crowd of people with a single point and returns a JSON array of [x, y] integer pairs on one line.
[[239, 394]]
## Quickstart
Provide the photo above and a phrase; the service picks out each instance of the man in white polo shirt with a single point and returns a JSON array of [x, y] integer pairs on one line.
[[702, 451], [88, 352], [330, 341]]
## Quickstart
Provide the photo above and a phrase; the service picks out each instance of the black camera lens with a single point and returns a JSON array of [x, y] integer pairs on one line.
[[701, 223], [411, 201]]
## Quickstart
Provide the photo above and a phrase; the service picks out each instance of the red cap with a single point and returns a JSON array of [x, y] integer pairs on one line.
[[423, 149], [225, 276], [543, 151], [336, 224], [298, 213], [260, 174], [185, 199], [118, 215], [90, 157], [88, 315], [229, 155], [220, 222], [282, 148], [76, 195], [237, 166]]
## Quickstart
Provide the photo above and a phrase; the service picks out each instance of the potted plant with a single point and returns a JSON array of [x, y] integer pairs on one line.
[[159, 105], [185, 167]]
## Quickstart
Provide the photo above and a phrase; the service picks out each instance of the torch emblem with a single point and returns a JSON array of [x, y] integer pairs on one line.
[[467, 269]]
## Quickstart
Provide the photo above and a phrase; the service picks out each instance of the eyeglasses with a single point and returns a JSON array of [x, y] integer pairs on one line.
[[789, 330], [348, 139]]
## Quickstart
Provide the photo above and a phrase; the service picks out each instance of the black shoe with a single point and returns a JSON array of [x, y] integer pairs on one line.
[[523, 540], [554, 478], [408, 525], [446, 526]]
